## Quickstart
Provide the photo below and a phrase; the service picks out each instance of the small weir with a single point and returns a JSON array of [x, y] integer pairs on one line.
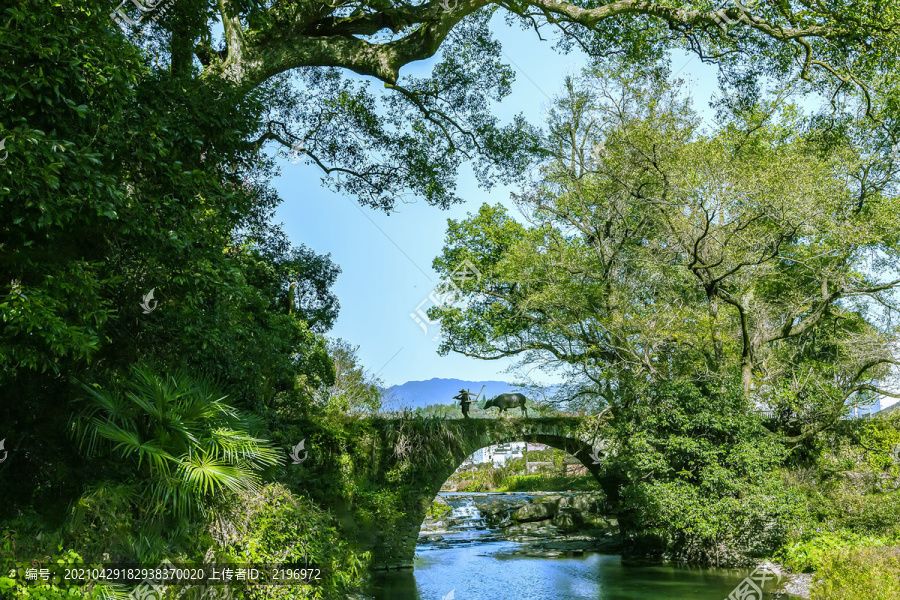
[[465, 516], [464, 525]]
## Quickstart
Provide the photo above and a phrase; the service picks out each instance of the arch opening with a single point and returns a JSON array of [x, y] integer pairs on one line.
[[539, 493], [462, 439]]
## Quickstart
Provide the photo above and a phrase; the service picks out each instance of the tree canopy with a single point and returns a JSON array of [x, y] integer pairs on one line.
[[117, 185], [655, 250], [412, 139]]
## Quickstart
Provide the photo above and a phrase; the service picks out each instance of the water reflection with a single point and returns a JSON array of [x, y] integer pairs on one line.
[[484, 573]]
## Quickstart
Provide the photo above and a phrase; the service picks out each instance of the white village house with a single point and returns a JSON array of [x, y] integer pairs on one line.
[[500, 453]]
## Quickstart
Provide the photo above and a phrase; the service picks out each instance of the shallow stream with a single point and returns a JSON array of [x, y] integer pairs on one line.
[[470, 563]]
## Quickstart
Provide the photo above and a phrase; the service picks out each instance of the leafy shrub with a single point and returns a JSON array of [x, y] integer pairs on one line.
[[853, 574], [847, 497], [814, 552], [513, 477], [547, 483], [703, 478], [438, 510], [844, 504], [272, 526], [880, 436], [14, 583]]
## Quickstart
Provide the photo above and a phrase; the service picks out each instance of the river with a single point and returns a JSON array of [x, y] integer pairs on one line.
[[470, 563]]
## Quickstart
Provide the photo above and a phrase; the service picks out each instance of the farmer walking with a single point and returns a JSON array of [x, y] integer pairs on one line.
[[465, 399]]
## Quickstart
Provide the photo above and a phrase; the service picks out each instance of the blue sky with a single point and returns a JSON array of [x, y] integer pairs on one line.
[[386, 260]]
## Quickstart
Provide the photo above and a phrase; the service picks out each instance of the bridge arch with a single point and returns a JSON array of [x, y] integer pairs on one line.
[[568, 434]]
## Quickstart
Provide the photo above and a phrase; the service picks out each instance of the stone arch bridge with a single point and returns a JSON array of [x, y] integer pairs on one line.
[[426, 461]]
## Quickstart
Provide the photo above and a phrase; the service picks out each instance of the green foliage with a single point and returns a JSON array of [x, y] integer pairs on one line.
[[703, 481], [856, 499], [413, 137], [311, 276], [67, 85], [482, 478], [353, 390], [273, 526], [446, 411], [422, 443], [120, 180], [879, 437], [850, 501], [105, 521], [15, 584], [547, 483], [180, 442], [513, 476], [438, 510], [820, 549], [871, 573], [650, 249]]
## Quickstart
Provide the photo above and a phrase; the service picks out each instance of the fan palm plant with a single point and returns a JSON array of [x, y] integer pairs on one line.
[[186, 444]]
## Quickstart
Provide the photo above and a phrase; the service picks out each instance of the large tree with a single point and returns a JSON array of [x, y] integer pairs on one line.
[[656, 251]]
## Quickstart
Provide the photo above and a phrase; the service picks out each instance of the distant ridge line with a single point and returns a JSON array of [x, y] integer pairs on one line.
[[439, 390]]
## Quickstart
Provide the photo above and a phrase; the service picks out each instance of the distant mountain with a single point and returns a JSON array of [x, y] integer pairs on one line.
[[419, 394], [895, 407]]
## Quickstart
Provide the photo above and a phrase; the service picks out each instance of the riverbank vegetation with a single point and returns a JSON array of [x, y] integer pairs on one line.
[[859, 573], [513, 477], [547, 470]]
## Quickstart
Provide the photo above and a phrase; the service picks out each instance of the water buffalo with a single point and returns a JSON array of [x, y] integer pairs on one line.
[[504, 401]]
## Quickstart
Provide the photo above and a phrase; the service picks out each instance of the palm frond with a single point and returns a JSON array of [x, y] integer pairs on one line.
[[188, 444], [171, 495], [234, 445], [153, 409], [129, 442], [207, 475]]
